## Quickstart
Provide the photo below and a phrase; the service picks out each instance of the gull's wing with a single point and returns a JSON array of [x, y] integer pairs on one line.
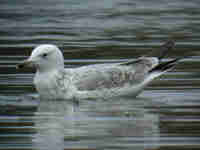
[[102, 78], [106, 76]]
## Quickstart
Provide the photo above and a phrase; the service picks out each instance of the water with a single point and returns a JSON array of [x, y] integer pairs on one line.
[[164, 116]]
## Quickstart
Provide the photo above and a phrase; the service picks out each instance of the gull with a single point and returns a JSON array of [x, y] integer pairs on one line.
[[53, 81]]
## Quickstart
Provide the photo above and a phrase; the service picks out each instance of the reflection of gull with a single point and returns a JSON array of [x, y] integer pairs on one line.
[[52, 81]]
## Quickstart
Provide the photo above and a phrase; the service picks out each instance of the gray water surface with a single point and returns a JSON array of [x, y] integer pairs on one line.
[[164, 116]]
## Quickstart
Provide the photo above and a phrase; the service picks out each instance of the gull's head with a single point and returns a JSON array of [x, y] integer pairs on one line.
[[44, 58]]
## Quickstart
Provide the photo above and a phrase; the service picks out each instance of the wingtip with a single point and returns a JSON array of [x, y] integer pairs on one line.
[[165, 66]]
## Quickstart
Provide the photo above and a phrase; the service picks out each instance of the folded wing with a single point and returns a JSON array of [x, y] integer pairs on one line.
[[107, 76]]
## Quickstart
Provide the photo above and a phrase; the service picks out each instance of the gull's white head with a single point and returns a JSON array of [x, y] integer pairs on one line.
[[45, 58]]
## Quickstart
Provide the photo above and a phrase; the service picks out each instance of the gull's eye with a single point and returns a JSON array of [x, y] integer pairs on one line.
[[44, 55]]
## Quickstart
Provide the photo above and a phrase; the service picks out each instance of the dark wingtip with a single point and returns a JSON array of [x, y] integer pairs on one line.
[[164, 66]]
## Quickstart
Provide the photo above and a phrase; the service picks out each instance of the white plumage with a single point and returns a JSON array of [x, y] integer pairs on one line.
[[53, 81]]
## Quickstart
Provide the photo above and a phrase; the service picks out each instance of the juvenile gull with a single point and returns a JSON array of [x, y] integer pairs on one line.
[[53, 81]]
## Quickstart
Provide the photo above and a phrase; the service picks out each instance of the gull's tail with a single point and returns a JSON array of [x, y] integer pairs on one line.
[[160, 69], [165, 66]]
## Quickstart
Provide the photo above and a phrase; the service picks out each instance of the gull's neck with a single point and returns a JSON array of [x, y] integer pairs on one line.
[[49, 69]]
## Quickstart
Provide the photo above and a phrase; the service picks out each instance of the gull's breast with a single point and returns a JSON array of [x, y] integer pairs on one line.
[[47, 86]]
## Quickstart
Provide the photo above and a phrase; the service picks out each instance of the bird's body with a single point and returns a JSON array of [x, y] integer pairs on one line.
[[101, 80], [53, 81]]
